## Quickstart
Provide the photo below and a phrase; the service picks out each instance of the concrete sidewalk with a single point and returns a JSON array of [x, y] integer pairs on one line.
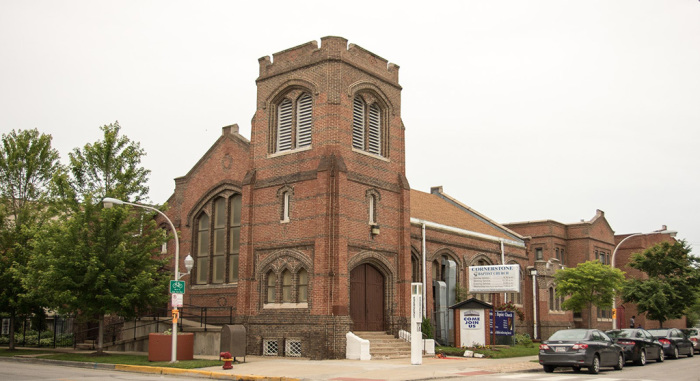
[[288, 369]]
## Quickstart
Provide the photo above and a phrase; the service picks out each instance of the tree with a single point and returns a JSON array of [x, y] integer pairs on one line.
[[27, 164], [99, 261], [589, 284], [672, 284]]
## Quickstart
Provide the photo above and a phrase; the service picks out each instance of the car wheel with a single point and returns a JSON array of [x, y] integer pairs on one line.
[[661, 356], [675, 353], [548, 368], [620, 362], [577, 369], [642, 358], [595, 367]]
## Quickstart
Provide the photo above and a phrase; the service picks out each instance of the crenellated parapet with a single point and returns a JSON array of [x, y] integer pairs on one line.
[[332, 49]]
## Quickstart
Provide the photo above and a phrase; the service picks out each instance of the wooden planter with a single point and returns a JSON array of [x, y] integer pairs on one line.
[[160, 346]]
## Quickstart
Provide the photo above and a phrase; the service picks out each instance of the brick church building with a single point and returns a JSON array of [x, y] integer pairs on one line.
[[309, 229]]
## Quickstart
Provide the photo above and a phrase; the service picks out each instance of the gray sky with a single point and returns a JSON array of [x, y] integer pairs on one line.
[[523, 110]]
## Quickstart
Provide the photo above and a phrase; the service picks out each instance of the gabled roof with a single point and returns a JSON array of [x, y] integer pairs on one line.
[[439, 208], [471, 303]]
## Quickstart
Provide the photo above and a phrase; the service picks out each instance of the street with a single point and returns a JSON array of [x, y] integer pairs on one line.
[[683, 369]]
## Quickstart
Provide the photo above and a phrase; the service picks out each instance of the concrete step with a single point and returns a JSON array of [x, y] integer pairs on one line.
[[385, 346]]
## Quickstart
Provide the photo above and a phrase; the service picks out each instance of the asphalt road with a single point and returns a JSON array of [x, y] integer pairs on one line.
[[21, 371]]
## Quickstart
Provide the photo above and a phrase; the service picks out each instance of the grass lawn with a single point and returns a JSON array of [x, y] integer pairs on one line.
[[4, 352], [111, 359], [495, 353]]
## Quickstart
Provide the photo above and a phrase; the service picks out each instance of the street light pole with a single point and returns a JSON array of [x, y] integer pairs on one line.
[[612, 260], [108, 203]]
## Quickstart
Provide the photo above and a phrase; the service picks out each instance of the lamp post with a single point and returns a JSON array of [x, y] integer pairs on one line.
[[108, 202], [612, 260]]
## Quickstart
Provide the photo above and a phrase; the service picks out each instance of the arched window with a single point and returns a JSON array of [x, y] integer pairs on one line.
[[372, 209], [218, 241], [271, 287], [285, 206], [286, 286], [367, 126], [303, 286], [294, 122], [202, 274]]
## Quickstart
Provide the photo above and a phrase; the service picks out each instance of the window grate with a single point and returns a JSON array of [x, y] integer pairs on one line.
[[292, 348], [270, 348], [374, 130]]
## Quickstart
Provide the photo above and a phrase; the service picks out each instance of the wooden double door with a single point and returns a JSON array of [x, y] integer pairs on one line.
[[367, 298]]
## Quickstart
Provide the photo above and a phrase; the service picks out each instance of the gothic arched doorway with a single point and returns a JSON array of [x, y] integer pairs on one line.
[[367, 298]]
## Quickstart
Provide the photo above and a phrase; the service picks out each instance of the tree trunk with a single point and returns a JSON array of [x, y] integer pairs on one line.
[[100, 334], [12, 331], [590, 315]]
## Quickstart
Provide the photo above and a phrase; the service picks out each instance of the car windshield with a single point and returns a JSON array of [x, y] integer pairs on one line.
[[569, 334], [624, 333], [691, 332], [659, 332]]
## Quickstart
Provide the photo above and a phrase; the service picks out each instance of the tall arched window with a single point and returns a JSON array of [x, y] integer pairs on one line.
[[234, 237], [294, 121], [203, 249], [367, 126], [218, 241]]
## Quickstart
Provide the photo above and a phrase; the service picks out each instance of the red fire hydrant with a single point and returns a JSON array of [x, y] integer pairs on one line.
[[227, 359]]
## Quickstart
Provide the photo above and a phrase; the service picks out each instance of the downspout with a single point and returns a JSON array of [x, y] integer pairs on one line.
[[503, 262], [534, 303], [425, 287]]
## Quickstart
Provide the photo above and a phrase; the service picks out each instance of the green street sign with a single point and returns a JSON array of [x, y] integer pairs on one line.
[[177, 286]]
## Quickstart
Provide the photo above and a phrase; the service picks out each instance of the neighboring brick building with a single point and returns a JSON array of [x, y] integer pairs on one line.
[[553, 245]]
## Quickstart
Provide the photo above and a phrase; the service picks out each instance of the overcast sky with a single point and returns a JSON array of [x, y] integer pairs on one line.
[[523, 110]]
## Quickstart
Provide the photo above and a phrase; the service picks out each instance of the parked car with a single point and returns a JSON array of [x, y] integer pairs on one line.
[[577, 348], [694, 336], [638, 345], [675, 343]]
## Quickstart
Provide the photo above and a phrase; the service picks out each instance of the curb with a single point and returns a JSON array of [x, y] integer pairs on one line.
[[149, 369]]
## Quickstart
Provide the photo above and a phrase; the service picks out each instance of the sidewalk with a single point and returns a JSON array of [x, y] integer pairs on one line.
[[288, 369]]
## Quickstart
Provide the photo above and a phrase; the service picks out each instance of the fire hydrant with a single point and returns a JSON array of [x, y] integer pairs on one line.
[[227, 359]]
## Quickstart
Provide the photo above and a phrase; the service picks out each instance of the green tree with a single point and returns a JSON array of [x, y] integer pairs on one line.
[[27, 164], [589, 284], [672, 284], [99, 261]]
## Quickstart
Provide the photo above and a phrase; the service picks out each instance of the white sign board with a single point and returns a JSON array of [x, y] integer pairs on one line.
[[496, 278], [472, 328], [176, 300]]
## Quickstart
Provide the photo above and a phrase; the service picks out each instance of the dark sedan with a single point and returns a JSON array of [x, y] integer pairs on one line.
[[638, 345], [577, 348], [674, 341]]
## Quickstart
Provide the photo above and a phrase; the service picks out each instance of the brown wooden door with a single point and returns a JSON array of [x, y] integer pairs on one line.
[[367, 298]]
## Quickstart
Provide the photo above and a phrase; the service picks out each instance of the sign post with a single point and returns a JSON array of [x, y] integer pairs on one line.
[[416, 321]]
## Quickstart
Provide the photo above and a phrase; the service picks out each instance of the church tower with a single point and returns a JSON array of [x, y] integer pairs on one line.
[[324, 230]]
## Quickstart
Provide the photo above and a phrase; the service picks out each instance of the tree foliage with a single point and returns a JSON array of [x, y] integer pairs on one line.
[[589, 284], [99, 261], [27, 165], [672, 284]]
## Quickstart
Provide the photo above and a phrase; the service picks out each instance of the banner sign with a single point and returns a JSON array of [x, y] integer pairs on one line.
[[496, 278], [505, 323]]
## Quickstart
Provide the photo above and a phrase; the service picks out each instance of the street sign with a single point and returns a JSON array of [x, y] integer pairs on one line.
[[176, 300], [177, 286]]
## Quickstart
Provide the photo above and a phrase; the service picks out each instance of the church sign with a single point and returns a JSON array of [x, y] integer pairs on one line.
[[495, 278]]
